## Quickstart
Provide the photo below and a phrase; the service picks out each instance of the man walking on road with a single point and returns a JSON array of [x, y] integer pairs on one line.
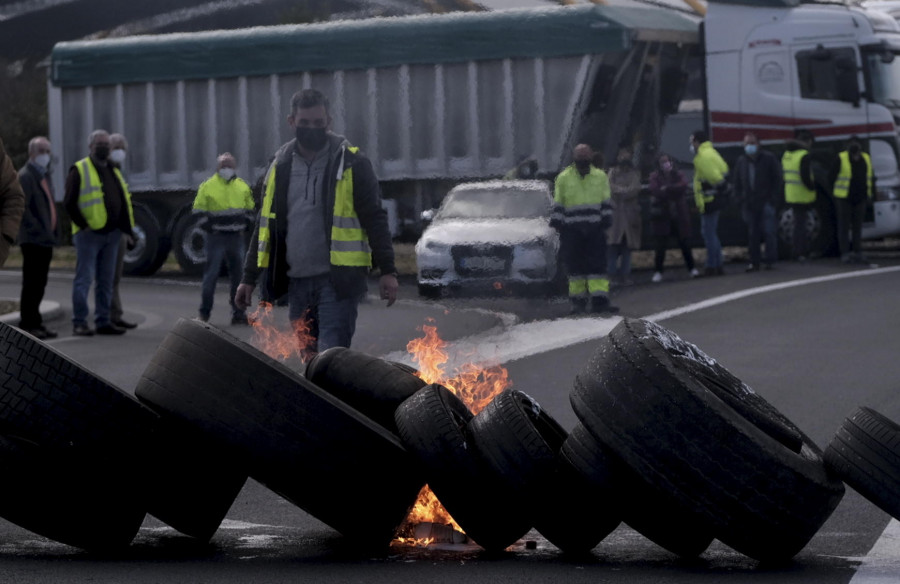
[[758, 183], [320, 228], [799, 188], [119, 146], [99, 204], [582, 213], [710, 173], [226, 203], [38, 234]]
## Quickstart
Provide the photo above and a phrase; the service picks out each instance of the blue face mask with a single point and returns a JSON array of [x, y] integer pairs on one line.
[[750, 149]]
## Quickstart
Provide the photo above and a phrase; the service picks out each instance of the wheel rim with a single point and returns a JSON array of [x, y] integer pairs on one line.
[[140, 245]]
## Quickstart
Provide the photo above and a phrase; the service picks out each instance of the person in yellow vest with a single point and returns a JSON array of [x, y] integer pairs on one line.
[[321, 227], [582, 213], [710, 175], [799, 188], [226, 204], [854, 186], [99, 204]]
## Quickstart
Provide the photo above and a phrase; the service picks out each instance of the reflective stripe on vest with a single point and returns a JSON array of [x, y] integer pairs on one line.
[[842, 184], [90, 196], [349, 244], [794, 189]]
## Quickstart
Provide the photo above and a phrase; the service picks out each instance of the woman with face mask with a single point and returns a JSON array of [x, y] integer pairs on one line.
[[670, 215], [625, 233]]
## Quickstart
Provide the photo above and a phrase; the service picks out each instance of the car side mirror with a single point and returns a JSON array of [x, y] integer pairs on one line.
[[427, 216]]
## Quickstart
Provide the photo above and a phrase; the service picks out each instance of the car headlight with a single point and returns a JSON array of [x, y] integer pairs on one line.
[[436, 246]]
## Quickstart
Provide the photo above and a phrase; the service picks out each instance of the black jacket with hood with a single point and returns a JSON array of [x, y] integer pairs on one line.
[[348, 281]]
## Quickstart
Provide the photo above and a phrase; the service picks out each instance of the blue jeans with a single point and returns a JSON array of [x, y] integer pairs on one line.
[[333, 319], [614, 251], [95, 259], [709, 228], [760, 228], [219, 246]]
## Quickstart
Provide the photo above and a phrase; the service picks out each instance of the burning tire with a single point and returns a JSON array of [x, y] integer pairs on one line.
[[71, 438], [760, 497], [520, 442], [652, 514], [865, 453], [432, 424], [191, 481], [291, 436], [373, 386]]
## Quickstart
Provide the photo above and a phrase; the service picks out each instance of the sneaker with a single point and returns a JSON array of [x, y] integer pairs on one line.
[[752, 268], [657, 277], [82, 330], [240, 320], [695, 273], [110, 329], [124, 324]]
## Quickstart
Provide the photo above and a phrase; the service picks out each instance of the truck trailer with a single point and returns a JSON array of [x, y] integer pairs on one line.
[[440, 99]]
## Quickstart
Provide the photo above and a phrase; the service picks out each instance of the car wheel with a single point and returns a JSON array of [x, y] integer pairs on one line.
[[865, 454], [431, 291], [521, 444], [761, 498], [433, 426], [290, 435], [373, 386]]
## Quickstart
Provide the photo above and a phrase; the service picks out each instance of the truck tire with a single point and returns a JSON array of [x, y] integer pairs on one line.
[[72, 497], [151, 247], [865, 453], [191, 481], [653, 514], [520, 443], [761, 498], [189, 244], [290, 435], [373, 386], [433, 426], [821, 228]]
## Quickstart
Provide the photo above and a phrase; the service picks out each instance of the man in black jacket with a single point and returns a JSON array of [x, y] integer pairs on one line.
[[38, 234], [320, 228], [759, 184]]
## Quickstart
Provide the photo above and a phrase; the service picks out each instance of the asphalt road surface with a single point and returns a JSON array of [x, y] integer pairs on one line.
[[816, 340]]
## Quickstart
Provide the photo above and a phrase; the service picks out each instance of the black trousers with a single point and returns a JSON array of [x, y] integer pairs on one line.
[[849, 222], [35, 266], [800, 237]]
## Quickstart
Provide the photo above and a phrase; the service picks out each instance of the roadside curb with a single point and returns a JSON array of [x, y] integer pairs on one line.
[[49, 310]]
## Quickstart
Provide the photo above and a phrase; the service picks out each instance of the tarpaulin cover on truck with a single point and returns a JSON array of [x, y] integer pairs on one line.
[[362, 44]]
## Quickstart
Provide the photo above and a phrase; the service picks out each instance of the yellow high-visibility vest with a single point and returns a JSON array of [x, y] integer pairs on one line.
[[794, 189], [90, 196], [842, 184]]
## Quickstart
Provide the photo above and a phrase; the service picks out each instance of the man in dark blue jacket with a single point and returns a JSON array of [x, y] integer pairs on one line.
[[38, 233], [759, 184]]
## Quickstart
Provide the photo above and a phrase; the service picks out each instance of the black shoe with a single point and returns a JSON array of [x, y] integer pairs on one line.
[[603, 307], [768, 267], [579, 306], [240, 320], [203, 318], [124, 324], [752, 268], [37, 333], [82, 330], [720, 271], [48, 334], [110, 329]]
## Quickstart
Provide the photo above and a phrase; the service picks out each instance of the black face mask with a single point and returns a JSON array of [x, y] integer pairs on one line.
[[583, 166], [101, 152], [313, 139], [855, 149]]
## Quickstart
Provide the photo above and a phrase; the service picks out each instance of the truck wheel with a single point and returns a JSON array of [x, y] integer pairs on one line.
[[433, 426], [521, 442], [373, 386], [821, 231], [761, 498], [865, 453], [189, 244], [151, 248], [430, 291], [289, 435]]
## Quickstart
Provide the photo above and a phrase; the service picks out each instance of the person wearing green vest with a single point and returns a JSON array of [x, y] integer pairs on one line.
[[582, 213], [854, 186], [710, 176], [226, 205], [799, 188], [99, 205], [321, 227]]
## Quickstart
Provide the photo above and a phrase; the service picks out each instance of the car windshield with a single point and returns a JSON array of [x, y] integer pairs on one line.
[[492, 204], [885, 79]]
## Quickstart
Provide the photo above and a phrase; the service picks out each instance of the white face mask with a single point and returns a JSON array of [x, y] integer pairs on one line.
[[42, 160], [226, 173], [117, 156], [693, 149]]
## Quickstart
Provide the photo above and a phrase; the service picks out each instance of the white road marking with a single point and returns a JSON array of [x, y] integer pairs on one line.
[[882, 564]]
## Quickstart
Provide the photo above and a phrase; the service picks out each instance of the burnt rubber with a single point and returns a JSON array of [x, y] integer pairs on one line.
[[521, 442], [373, 386], [291, 436], [433, 426], [758, 495], [865, 453], [55, 412]]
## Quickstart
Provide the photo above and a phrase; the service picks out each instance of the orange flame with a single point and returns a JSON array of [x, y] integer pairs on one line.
[[279, 344], [475, 385]]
